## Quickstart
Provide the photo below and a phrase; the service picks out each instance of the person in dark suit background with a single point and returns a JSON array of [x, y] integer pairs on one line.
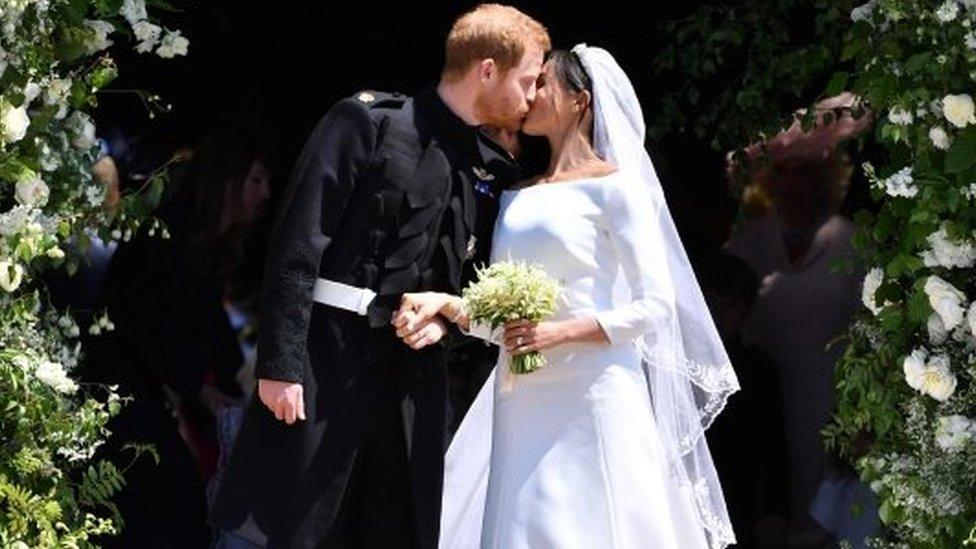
[[344, 445], [165, 297]]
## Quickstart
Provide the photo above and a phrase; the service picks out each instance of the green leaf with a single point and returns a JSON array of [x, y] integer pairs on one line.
[[962, 153], [837, 84]]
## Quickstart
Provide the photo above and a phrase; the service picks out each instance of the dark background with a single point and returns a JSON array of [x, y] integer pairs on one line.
[[276, 67]]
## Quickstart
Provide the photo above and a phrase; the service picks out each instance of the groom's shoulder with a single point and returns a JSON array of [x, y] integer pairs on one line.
[[378, 101]]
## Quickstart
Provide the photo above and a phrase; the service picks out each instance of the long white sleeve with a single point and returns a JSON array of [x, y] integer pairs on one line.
[[630, 220]]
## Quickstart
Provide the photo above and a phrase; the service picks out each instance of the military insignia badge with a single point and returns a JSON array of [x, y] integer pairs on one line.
[[482, 173]]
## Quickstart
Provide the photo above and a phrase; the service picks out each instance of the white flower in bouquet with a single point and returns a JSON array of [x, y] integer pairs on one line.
[[133, 11], [901, 183], [959, 110], [99, 39], [914, 368], [872, 281], [948, 11], [946, 253], [946, 300], [938, 381], [32, 191], [53, 375], [937, 330], [173, 44], [14, 121], [970, 40], [953, 432], [147, 34], [900, 116], [511, 290], [83, 129], [11, 275], [939, 137]]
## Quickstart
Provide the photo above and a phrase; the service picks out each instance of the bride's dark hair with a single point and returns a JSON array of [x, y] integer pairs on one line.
[[570, 70]]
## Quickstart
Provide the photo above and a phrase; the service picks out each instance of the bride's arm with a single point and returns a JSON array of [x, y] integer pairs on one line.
[[631, 221]]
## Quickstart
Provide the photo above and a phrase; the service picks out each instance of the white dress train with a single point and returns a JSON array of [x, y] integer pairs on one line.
[[569, 456]]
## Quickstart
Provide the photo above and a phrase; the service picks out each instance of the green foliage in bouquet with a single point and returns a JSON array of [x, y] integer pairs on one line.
[[512, 290]]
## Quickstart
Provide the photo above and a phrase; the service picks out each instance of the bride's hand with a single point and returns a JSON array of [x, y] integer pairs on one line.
[[427, 332], [422, 307], [523, 336]]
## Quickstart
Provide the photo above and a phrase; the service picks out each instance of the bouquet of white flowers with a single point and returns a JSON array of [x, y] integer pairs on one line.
[[512, 290]]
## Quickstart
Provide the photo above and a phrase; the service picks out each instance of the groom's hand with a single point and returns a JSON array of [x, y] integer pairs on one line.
[[284, 398], [417, 333]]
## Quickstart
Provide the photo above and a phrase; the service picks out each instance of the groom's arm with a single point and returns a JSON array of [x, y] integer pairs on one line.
[[311, 212]]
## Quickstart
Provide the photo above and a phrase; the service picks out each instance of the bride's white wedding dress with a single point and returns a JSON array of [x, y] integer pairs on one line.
[[576, 459]]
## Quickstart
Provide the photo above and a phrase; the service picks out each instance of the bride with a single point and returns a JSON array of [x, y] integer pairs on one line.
[[604, 446]]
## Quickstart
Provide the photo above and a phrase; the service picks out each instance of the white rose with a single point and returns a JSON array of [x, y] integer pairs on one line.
[[57, 93], [947, 253], [863, 12], [99, 41], [53, 375], [32, 191], [948, 11], [31, 91], [13, 221], [15, 122], [938, 380], [959, 110], [147, 34], [133, 11], [49, 161], [971, 318], [970, 40], [11, 275], [914, 368], [946, 300], [83, 128], [937, 330], [55, 253], [953, 432], [872, 281], [901, 183], [939, 137], [900, 116], [173, 44]]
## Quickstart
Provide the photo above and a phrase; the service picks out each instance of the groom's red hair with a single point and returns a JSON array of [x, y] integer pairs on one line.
[[491, 31]]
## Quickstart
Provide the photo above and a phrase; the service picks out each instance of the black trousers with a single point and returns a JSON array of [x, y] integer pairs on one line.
[[376, 509]]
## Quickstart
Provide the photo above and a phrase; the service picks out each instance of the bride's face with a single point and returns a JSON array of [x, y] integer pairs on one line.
[[556, 107]]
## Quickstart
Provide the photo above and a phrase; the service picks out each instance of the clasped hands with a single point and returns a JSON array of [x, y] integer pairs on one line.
[[421, 321]]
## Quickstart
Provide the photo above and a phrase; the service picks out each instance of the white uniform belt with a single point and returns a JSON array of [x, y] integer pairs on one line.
[[342, 295]]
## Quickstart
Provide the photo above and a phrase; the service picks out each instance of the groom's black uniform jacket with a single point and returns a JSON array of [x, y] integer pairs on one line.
[[385, 194]]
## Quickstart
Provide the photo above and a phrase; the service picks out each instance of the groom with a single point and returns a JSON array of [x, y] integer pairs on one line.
[[391, 194]]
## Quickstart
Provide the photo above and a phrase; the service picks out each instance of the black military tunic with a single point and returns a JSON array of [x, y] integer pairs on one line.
[[396, 194]]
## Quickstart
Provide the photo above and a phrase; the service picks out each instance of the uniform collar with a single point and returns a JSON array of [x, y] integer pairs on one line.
[[453, 130]]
